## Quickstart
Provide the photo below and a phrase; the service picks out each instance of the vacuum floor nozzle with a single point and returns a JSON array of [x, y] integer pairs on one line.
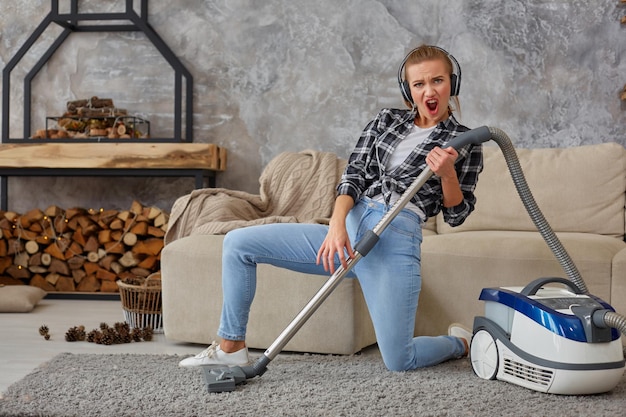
[[223, 379]]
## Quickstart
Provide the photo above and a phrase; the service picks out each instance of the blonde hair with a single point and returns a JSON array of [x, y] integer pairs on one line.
[[429, 53]]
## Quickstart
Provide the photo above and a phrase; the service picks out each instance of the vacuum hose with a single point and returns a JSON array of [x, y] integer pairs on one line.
[[602, 318]]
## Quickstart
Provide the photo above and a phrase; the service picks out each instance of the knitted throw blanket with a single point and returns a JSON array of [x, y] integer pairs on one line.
[[294, 188]]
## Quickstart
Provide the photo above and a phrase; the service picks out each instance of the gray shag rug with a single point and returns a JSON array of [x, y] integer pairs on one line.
[[294, 385]]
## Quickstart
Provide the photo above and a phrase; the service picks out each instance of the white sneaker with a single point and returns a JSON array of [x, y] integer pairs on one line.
[[462, 332], [213, 355]]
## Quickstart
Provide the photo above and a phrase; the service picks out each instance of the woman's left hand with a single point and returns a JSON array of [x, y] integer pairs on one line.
[[441, 161]]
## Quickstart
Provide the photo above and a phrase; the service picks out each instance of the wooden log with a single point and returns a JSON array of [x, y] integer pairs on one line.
[[43, 240], [5, 262], [36, 269], [32, 216], [104, 236], [128, 260], [117, 268], [125, 275], [149, 262], [75, 262], [124, 215], [107, 260], [25, 234], [117, 235], [114, 247], [60, 267], [93, 102], [21, 259], [62, 242], [140, 228], [106, 216], [32, 247], [35, 259], [91, 268], [140, 272], [130, 239], [53, 278], [53, 211], [37, 227], [78, 275], [14, 246], [108, 286], [153, 213], [150, 246], [88, 226], [136, 207], [46, 259], [6, 224], [39, 281], [61, 224], [155, 231], [91, 245], [105, 275], [160, 220], [117, 224], [18, 272], [89, 284], [74, 211], [100, 113], [73, 250], [93, 257], [65, 284]]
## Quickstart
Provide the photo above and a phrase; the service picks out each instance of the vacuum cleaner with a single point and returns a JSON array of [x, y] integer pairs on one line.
[[492, 331], [551, 335]]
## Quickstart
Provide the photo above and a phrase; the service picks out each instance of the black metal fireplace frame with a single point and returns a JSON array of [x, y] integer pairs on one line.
[[70, 22]]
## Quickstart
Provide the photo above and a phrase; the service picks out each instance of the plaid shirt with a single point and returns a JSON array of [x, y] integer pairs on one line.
[[366, 175]]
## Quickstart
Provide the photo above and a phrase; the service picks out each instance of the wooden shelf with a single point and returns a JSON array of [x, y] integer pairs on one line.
[[136, 159], [135, 155]]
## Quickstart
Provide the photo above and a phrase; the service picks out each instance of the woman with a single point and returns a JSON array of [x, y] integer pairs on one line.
[[392, 150]]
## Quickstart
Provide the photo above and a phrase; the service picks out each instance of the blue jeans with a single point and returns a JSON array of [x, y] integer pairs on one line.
[[389, 275]]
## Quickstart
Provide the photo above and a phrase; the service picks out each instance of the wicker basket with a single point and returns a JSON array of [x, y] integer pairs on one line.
[[141, 302]]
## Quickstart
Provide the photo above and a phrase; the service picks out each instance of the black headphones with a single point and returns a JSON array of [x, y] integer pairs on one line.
[[455, 78]]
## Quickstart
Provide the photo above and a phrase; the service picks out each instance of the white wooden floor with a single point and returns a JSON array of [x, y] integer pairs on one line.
[[22, 348]]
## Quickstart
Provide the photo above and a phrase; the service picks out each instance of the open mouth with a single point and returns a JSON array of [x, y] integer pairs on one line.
[[431, 105]]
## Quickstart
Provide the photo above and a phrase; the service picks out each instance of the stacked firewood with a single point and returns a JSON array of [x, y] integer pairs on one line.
[[79, 249], [94, 117]]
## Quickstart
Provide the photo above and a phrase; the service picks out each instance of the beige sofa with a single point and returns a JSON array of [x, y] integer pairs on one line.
[[580, 190]]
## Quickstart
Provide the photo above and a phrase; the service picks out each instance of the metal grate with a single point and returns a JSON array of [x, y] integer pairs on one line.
[[529, 373]]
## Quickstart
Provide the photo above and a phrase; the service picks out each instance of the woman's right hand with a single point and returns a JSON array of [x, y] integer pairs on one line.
[[337, 241]]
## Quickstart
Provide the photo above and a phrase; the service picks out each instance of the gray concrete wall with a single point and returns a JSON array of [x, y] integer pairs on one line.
[[284, 75]]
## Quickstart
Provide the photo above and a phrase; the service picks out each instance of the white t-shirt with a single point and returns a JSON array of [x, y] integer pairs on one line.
[[399, 155]]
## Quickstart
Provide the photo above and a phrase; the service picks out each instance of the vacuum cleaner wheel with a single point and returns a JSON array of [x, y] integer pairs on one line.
[[484, 355]]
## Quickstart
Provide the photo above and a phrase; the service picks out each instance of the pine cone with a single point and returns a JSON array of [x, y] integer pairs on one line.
[[136, 334], [75, 334], [147, 334], [103, 326], [108, 336], [94, 336], [43, 330]]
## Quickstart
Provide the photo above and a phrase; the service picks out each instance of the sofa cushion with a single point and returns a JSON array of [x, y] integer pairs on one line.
[[579, 189], [456, 267], [191, 270], [19, 298]]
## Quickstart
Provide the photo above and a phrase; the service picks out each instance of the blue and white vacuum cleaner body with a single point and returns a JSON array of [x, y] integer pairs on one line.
[[544, 338]]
